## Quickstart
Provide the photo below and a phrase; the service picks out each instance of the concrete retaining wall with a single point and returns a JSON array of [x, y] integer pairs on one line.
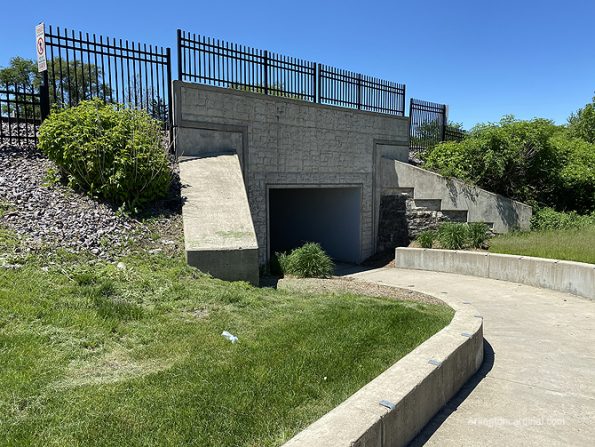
[[283, 142], [565, 276], [481, 205], [417, 388]]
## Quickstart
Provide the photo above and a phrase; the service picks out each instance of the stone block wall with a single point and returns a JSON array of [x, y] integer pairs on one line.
[[283, 141]]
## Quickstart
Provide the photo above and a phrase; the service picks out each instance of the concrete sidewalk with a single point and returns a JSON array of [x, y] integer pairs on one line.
[[537, 384]]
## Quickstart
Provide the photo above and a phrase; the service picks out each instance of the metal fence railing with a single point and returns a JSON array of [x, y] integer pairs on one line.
[[20, 114], [344, 88], [83, 66], [223, 64], [428, 125]]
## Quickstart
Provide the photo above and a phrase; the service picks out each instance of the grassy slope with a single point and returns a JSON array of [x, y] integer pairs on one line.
[[572, 244], [101, 356]]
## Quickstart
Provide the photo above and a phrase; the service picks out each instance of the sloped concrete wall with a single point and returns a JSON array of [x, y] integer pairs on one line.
[[285, 142], [455, 195], [219, 235]]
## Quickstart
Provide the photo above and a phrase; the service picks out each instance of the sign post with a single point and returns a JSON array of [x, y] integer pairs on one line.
[[42, 67], [42, 64]]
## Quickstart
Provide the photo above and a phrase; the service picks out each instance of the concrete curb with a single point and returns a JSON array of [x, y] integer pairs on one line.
[[577, 278], [414, 388]]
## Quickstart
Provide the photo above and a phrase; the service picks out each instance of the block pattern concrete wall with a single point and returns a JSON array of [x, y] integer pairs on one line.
[[282, 141]]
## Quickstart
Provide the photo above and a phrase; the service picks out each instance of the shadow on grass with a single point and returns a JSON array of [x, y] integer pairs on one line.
[[453, 404]]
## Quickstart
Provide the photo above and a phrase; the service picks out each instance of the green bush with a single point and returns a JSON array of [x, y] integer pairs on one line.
[[453, 236], [514, 158], [425, 239], [582, 123], [477, 234], [308, 261], [550, 219], [108, 151], [534, 161]]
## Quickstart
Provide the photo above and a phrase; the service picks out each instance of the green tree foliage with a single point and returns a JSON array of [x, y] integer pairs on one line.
[[532, 161], [582, 123], [109, 151], [20, 71]]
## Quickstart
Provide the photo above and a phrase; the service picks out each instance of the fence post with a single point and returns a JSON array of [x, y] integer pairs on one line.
[[444, 122], [266, 72], [170, 118], [319, 83], [314, 85], [44, 97], [359, 91], [180, 54]]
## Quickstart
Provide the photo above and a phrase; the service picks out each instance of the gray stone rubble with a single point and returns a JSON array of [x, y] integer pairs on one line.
[[49, 214]]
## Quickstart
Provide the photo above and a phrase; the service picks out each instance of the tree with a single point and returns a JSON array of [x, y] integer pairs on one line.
[[20, 78], [582, 123], [22, 72]]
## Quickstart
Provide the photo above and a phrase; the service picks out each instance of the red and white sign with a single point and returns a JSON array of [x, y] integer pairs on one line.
[[42, 64]]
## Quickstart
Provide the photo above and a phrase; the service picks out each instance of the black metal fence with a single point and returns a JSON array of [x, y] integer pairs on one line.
[[223, 64], [20, 114], [83, 66], [429, 125], [344, 88]]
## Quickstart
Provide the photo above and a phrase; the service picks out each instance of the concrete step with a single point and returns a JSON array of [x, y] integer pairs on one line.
[[428, 204], [402, 191], [455, 215]]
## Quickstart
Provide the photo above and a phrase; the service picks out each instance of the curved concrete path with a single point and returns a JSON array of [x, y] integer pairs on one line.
[[537, 384]]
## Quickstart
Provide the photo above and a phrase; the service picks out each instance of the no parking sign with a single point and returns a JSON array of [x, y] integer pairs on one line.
[[40, 47]]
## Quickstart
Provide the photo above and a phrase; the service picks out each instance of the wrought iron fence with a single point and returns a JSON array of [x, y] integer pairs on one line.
[[429, 125], [223, 64], [83, 66], [20, 114], [344, 88]]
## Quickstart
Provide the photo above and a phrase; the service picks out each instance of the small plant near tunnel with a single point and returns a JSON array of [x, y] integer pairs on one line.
[[108, 151], [426, 239], [478, 234], [307, 261], [453, 236]]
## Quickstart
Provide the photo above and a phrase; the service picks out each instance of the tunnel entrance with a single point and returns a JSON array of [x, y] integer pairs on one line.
[[327, 215]]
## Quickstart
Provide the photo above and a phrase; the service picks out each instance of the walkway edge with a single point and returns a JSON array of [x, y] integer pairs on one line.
[[577, 278], [414, 389]]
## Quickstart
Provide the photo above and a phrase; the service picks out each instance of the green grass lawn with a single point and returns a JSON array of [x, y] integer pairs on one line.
[[570, 244], [100, 356]]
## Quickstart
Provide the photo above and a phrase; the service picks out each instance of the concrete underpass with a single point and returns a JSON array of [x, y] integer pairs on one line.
[[327, 215]]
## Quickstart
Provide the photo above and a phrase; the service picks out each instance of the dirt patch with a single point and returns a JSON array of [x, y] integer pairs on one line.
[[351, 285], [112, 367]]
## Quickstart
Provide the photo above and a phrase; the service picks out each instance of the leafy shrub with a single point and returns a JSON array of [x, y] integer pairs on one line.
[[550, 219], [477, 234], [111, 152], [514, 158], [582, 123], [453, 236], [533, 161], [425, 239], [307, 261]]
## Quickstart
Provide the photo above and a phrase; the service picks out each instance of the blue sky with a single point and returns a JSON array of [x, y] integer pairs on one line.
[[484, 58]]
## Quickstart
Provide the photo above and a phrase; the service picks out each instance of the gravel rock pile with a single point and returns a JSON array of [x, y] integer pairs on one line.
[[55, 216]]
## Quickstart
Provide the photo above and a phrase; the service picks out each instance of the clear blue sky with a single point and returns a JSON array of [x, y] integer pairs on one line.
[[485, 58]]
